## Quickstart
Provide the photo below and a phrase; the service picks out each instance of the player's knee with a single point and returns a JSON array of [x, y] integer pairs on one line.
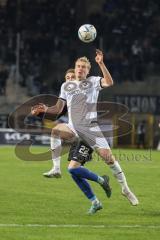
[[55, 132], [107, 156], [109, 159]]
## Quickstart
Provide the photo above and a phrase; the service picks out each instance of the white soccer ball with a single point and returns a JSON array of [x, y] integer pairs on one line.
[[87, 33]]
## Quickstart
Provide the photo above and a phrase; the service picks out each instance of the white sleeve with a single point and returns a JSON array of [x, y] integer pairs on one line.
[[96, 81], [62, 94]]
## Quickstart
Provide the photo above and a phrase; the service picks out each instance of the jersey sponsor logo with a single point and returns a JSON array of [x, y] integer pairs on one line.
[[85, 85], [74, 88], [70, 86]]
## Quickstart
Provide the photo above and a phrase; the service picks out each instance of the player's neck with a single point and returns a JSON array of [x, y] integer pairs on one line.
[[80, 79]]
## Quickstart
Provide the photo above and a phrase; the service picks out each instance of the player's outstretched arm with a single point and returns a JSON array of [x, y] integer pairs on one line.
[[42, 108], [107, 79], [56, 109]]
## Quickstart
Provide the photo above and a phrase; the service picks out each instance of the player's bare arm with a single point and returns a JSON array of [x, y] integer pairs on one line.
[[56, 109], [107, 79], [42, 108]]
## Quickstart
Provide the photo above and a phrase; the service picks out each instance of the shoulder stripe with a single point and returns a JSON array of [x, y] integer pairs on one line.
[[62, 99], [101, 82]]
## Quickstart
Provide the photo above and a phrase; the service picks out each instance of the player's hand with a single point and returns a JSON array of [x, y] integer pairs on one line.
[[39, 108], [99, 56]]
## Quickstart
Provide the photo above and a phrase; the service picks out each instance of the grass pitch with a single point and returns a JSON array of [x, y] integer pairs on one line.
[[34, 208]]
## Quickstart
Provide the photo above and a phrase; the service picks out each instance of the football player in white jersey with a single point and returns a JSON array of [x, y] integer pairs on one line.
[[81, 98], [80, 152]]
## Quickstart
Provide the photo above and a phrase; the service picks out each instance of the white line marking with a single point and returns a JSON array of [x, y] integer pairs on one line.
[[78, 226]]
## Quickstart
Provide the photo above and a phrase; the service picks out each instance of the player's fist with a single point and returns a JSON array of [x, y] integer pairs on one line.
[[99, 56], [34, 110], [39, 108]]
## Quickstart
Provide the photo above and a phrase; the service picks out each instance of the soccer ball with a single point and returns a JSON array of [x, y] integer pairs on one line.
[[87, 33]]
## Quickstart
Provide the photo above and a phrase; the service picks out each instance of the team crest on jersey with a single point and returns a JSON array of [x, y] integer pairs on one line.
[[72, 86], [85, 85]]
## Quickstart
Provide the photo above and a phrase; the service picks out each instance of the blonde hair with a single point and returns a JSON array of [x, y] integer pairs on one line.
[[86, 60]]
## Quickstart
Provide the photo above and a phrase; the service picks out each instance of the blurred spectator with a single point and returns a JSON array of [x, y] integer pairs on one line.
[[3, 78], [141, 131], [44, 89], [137, 61]]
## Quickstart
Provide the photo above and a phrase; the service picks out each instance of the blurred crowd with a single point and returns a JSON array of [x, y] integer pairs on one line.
[[47, 34], [130, 30], [43, 29]]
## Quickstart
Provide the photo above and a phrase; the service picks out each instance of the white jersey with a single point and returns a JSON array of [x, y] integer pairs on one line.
[[81, 97]]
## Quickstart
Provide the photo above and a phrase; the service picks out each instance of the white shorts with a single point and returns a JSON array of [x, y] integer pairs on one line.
[[92, 135], [72, 129]]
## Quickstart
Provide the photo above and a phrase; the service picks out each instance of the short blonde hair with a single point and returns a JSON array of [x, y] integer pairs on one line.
[[86, 60]]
